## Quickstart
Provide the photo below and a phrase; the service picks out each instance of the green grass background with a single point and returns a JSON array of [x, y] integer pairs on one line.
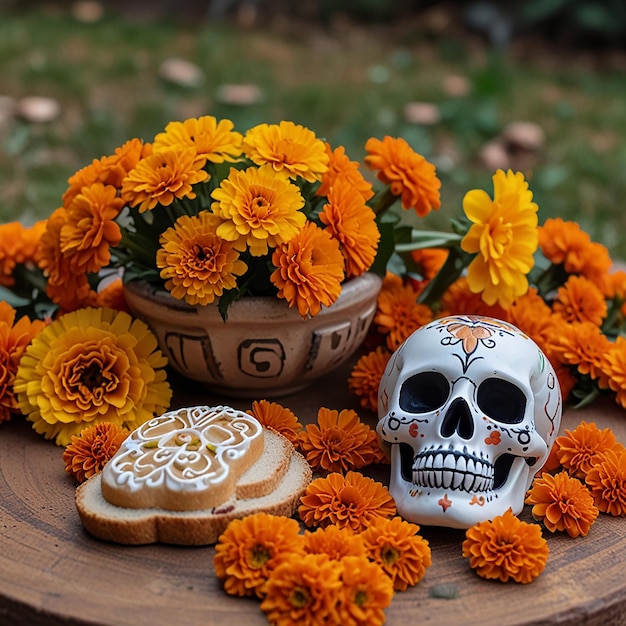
[[345, 81]]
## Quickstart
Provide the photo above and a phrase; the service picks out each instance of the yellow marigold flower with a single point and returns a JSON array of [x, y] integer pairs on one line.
[[614, 368], [506, 548], [288, 148], [259, 209], [339, 442], [163, 177], [90, 228], [365, 377], [14, 339], [89, 452], [407, 173], [309, 270], [197, 265], [251, 548], [578, 450], [341, 168], [583, 345], [214, 141], [18, 245], [366, 592], [88, 367], [606, 481], [565, 243], [277, 417], [400, 551], [303, 591], [353, 224], [350, 501], [336, 542], [579, 300], [562, 503], [503, 237], [399, 313], [65, 287]]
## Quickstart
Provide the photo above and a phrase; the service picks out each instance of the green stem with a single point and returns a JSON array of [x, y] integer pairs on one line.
[[456, 262], [421, 239], [384, 201]]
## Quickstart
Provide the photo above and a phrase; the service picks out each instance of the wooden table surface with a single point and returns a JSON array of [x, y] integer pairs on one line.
[[53, 572]]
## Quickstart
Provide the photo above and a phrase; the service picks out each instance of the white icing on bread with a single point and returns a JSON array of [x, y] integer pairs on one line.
[[273, 484], [184, 460]]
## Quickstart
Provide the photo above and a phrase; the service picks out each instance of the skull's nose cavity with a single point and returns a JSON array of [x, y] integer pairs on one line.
[[458, 420]]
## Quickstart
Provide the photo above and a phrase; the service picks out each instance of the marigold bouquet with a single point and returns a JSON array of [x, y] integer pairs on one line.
[[213, 215]]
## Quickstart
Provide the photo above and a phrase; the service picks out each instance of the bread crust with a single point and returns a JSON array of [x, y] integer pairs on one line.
[[273, 488]]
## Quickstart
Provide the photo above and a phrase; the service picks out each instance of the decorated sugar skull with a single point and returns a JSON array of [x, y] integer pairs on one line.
[[470, 407]]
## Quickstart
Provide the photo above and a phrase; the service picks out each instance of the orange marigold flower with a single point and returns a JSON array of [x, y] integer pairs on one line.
[[578, 450], [366, 592], [109, 170], [429, 260], [214, 141], [565, 243], [350, 501], [110, 295], [353, 224], [583, 345], [365, 377], [614, 368], [88, 452], [251, 548], [503, 236], [277, 417], [407, 173], [617, 285], [14, 339], [90, 228], [303, 591], [579, 300], [88, 367], [163, 177], [532, 315], [196, 264], [309, 270], [505, 548], [288, 148], [399, 314], [18, 245], [606, 481], [259, 209], [336, 542], [67, 288], [460, 300], [339, 442], [562, 503], [400, 551], [341, 168]]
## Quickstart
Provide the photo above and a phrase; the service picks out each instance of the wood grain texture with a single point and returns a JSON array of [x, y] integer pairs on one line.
[[53, 572]]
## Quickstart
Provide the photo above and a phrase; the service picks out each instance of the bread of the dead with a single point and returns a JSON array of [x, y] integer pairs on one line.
[[183, 477]]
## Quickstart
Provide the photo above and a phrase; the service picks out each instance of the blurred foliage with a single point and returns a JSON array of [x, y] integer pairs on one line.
[[347, 80]]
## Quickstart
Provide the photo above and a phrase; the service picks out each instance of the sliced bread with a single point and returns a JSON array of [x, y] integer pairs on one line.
[[273, 482]]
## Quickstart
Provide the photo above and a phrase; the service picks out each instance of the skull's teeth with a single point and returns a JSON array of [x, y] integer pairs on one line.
[[447, 469]]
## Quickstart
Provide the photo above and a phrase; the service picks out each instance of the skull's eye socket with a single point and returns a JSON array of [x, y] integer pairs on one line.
[[424, 392], [502, 401]]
